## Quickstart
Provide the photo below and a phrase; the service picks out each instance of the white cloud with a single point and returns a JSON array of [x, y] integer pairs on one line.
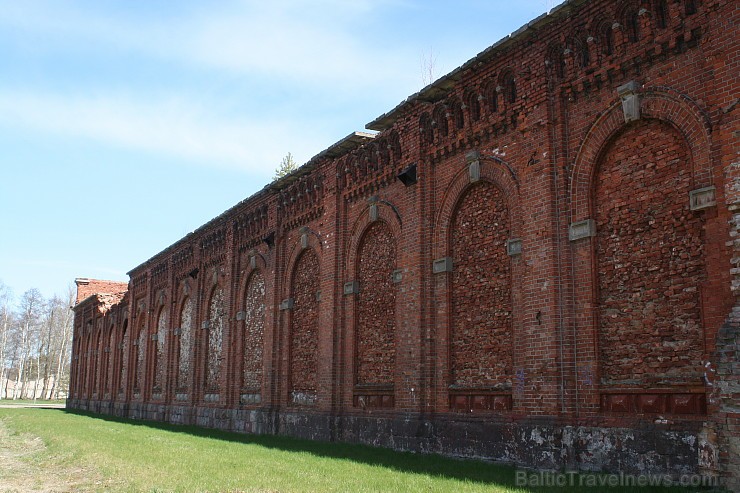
[[312, 43], [170, 127]]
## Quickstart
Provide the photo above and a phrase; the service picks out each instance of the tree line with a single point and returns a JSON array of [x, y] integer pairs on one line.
[[35, 344]]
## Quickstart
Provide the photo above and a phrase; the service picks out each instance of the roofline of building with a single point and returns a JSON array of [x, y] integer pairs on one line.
[[440, 88], [341, 147], [434, 92]]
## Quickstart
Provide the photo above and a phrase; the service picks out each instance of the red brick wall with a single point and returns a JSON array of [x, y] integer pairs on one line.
[[304, 329], [254, 329], [214, 340], [140, 361], [376, 307], [183, 363], [650, 253], [481, 351], [125, 342], [160, 364]]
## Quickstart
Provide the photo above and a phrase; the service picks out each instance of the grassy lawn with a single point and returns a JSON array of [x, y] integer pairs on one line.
[[56, 450]]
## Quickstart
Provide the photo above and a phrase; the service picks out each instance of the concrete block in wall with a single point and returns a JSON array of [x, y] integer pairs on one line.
[[473, 160], [351, 287], [373, 212], [630, 100], [287, 304], [514, 247], [443, 264], [582, 229], [702, 198]]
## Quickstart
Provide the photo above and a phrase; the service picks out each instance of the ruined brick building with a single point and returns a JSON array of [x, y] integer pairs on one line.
[[531, 261]]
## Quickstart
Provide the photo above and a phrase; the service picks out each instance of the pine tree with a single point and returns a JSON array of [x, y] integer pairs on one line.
[[287, 165]]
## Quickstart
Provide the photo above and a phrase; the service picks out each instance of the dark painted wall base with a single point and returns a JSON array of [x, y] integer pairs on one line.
[[541, 444]]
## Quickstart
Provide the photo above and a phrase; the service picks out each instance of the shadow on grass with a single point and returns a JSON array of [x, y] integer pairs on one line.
[[432, 465]]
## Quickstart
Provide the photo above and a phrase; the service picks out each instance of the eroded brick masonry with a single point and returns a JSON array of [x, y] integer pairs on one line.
[[534, 260]]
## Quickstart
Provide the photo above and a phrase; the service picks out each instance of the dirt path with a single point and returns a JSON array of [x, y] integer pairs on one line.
[[25, 467]]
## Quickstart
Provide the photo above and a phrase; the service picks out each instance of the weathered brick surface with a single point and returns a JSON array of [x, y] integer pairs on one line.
[[650, 261], [376, 307], [184, 349], [123, 360], [141, 343], [214, 341], [160, 367], [481, 341], [607, 350], [254, 328], [304, 330]]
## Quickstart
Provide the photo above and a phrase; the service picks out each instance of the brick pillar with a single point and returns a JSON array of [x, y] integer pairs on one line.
[[726, 374]]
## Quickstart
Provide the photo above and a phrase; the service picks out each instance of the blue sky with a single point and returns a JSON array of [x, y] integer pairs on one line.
[[125, 125]]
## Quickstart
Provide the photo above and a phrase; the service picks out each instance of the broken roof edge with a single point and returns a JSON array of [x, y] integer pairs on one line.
[[339, 148], [443, 86], [98, 297]]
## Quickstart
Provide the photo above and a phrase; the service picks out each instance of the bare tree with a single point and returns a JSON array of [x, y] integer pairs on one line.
[[35, 344], [46, 344], [30, 306], [5, 318], [64, 344], [428, 66]]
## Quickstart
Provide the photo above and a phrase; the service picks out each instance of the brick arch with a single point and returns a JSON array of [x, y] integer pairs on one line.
[[159, 353], [123, 356], [602, 268], [627, 16], [97, 361], [394, 144], [386, 213], [480, 319], [454, 362], [555, 62], [303, 333], [662, 16], [426, 130], [251, 338], [508, 84], [604, 34], [184, 367], [579, 45], [375, 324], [658, 103], [315, 243], [668, 275], [472, 100], [458, 121], [494, 170], [140, 353], [110, 359], [213, 364], [491, 96], [261, 265], [441, 121]]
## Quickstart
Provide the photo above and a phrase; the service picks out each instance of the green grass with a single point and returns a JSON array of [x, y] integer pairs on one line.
[[124, 455]]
